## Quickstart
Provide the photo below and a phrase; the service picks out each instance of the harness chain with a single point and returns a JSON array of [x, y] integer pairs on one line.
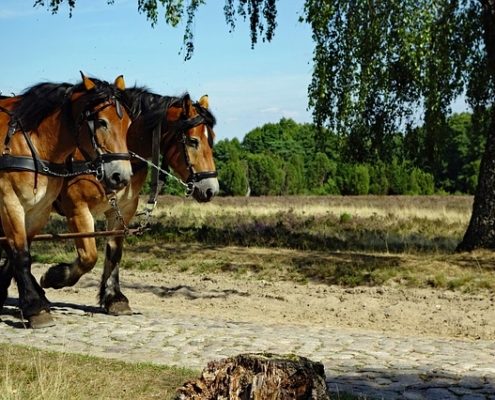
[[147, 212], [188, 186], [112, 200]]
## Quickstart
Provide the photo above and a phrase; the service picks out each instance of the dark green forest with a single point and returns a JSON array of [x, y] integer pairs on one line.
[[287, 158]]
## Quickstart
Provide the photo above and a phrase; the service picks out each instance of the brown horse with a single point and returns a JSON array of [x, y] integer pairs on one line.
[[39, 131], [183, 132]]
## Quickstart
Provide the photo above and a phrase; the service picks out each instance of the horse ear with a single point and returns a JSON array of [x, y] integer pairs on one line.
[[120, 83], [203, 101], [88, 83]]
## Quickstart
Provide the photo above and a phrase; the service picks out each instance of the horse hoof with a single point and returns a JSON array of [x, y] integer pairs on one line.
[[119, 308], [50, 279], [42, 320], [57, 277], [43, 283]]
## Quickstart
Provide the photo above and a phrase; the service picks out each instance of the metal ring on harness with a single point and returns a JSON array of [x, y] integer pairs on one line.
[[189, 189]]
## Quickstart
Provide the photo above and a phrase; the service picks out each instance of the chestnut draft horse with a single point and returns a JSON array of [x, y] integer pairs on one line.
[[182, 131], [39, 131]]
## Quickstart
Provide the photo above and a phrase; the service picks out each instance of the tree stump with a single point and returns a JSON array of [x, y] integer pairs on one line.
[[258, 377]]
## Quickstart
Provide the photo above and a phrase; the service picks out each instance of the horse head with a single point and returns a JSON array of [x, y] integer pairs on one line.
[[188, 145], [101, 128]]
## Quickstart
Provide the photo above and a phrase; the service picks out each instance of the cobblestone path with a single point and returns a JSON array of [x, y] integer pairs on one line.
[[360, 362]]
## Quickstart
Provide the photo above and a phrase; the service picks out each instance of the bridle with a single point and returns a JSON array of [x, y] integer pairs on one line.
[[179, 129], [89, 116], [160, 170]]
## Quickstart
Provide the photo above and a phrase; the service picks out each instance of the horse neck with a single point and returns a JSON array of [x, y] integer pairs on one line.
[[140, 135], [140, 139], [55, 137]]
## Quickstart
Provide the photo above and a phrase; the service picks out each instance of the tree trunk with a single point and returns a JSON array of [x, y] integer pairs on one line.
[[258, 377], [481, 229]]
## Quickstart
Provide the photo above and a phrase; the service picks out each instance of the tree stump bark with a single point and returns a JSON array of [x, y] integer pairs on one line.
[[258, 377]]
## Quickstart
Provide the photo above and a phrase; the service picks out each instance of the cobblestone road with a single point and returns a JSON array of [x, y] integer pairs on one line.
[[360, 362]]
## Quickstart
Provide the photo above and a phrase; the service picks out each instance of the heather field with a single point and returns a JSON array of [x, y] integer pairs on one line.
[[348, 241], [370, 223]]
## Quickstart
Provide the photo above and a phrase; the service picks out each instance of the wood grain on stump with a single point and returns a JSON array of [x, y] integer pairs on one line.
[[258, 377]]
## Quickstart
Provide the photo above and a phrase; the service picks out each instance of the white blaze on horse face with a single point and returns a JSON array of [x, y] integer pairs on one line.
[[205, 132]]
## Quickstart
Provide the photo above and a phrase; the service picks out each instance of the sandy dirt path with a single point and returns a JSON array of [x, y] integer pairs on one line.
[[411, 312]]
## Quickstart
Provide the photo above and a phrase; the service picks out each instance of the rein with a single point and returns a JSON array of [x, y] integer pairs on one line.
[[162, 171]]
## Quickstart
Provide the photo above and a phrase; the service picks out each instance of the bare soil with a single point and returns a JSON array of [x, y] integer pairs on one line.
[[392, 310]]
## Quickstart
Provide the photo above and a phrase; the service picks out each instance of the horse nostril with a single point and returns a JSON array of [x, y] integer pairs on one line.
[[209, 194], [118, 180]]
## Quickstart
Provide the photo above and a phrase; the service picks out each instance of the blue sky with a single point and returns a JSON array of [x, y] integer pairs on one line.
[[247, 88]]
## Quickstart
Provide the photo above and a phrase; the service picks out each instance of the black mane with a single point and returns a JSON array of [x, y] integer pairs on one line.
[[39, 101], [149, 106], [152, 107]]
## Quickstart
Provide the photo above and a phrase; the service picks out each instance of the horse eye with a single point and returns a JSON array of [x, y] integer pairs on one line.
[[193, 142], [102, 123]]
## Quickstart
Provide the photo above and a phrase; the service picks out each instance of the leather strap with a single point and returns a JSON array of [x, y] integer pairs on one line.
[[156, 182], [25, 163]]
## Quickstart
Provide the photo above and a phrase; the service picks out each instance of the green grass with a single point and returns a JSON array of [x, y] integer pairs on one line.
[[28, 374]]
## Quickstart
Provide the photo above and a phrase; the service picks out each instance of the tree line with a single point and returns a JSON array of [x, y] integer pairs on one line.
[[288, 158]]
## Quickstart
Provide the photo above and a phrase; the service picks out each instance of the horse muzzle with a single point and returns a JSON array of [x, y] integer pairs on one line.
[[205, 189], [116, 174]]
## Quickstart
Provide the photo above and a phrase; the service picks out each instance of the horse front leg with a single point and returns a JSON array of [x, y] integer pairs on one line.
[[111, 296], [32, 301], [6, 275], [68, 274]]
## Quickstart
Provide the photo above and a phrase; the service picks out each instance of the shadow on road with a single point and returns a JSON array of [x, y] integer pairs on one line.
[[427, 384]]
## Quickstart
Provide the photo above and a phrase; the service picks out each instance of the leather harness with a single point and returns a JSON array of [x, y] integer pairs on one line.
[[70, 168]]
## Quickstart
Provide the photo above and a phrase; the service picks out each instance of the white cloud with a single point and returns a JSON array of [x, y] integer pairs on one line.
[[17, 13], [270, 110]]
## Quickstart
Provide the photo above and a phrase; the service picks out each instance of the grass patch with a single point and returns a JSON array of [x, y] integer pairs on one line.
[[27, 374]]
